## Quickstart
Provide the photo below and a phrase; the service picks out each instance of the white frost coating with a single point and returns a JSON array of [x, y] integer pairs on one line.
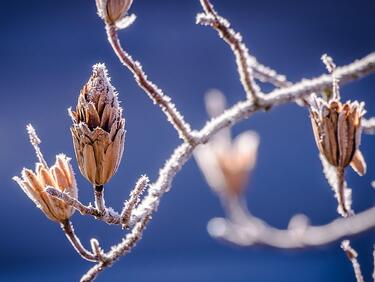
[[332, 178], [102, 84]]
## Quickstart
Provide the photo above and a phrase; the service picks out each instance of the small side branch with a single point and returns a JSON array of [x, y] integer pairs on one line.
[[368, 125], [352, 256], [108, 215], [234, 40], [133, 200], [68, 229], [127, 244], [155, 93], [99, 198]]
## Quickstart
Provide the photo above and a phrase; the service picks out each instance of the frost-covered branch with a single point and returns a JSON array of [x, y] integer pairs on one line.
[[134, 199], [68, 229], [127, 244], [352, 256], [155, 93], [254, 231], [108, 215], [248, 65], [234, 40]]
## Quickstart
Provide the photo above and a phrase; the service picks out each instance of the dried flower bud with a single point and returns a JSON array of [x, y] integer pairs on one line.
[[59, 176], [237, 161], [98, 129], [337, 131], [226, 163], [113, 11]]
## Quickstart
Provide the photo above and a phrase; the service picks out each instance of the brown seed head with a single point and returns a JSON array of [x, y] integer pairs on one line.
[[112, 11], [98, 128], [59, 176], [337, 131]]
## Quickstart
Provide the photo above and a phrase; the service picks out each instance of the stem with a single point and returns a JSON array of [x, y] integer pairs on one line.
[[150, 88], [240, 50], [340, 192], [99, 198], [68, 229]]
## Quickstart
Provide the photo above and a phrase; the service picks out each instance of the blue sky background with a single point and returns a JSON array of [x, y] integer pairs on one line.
[[46, 53]]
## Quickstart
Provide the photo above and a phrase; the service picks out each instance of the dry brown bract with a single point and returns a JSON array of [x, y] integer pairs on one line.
[[337, 131], [59, 176], [98, 128]]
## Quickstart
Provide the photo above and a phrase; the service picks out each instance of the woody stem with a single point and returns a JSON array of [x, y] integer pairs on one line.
[[68, 229], [99, 198], [341, 191]]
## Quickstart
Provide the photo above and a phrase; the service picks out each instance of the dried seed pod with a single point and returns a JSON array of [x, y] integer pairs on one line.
[[98, 128], [59, 176], [113, 11], [337, 131]]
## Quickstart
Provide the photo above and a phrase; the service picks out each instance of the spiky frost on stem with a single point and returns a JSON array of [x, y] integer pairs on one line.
[[234, 40], [352, 256], [153, 91], [134, 199], [68, 229]]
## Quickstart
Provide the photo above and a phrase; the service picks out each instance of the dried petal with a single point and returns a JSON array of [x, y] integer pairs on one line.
[[358, 163]]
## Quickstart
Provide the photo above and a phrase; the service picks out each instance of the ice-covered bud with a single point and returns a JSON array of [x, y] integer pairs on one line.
[[98, 128], [60, 176], [113, 11]]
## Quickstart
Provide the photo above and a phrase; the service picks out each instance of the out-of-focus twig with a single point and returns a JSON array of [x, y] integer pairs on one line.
[[254, 231], [368, 125]]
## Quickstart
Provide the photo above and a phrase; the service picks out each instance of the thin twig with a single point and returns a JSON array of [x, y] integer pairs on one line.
[[99, 198], [343, 207], [133, 200], [109, 215], [121, 249], [68, 229], [234, 40], [352, 256], [155, 93]]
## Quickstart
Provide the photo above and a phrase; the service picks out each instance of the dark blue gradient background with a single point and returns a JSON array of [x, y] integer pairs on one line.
[[47, 50]]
